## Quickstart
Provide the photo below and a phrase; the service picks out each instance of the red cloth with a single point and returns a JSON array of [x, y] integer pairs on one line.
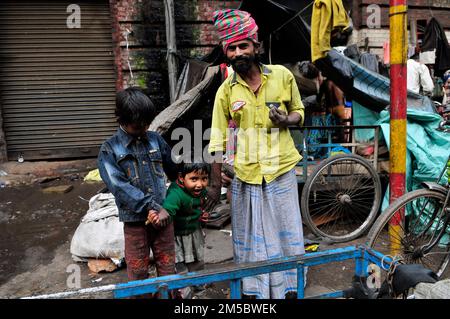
[[386, 53]]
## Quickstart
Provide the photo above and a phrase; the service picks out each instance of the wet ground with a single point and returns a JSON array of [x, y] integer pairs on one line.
[[33, 224], [35, 234], [36, 230]]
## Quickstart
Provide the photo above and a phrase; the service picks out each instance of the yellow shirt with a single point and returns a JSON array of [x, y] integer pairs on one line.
[[327, 15], [263, 150]]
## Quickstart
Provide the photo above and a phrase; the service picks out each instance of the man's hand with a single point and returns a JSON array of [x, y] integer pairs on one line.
[[226, 180], [213, 194], [278, 117], [282, 119], [212, 197]]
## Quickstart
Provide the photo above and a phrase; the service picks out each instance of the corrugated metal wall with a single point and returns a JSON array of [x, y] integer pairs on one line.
[[57, 84]]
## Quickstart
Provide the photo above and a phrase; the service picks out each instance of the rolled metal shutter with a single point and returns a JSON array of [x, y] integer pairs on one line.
[[57, 84]]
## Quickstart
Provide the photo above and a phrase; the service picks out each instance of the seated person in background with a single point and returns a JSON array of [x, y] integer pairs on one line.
[[446, 88], [419, 79], [335, 100], [445, 108]]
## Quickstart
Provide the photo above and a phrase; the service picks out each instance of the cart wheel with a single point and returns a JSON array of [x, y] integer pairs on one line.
[[341, 198], [422, 224]]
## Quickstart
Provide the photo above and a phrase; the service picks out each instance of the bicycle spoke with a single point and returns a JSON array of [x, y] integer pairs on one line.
[[422, 226]]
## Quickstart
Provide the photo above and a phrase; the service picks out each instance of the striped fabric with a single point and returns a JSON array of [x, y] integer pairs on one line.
[[446, 99], [267, 224], [234, 25]]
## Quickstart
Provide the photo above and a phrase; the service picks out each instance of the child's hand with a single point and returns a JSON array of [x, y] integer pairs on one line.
[[204, 217], [152, 217], [164, 218]]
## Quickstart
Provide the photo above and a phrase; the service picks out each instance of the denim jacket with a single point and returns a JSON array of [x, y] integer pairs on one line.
[[133, 170]]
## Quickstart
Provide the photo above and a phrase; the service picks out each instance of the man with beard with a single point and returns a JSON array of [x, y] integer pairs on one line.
[[263, 100]]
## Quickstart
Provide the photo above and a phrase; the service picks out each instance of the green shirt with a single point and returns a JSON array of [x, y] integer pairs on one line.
[[263, 150], [184, 209]]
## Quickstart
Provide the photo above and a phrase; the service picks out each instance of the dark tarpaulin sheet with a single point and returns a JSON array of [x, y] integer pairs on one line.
[[188, 102], [284, 28], [366, 87]]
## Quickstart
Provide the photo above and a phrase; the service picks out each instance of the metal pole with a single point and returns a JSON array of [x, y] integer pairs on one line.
[[235, 289], [398, 55], [171, 48], [300, 280]]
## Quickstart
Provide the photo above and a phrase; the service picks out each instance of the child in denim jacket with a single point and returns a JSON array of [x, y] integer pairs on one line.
[[132, 164]]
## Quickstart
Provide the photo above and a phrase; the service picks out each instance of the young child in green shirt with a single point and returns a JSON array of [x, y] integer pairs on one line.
[[184, 203]]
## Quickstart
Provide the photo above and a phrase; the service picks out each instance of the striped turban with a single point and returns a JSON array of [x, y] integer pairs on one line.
[[235, 25]]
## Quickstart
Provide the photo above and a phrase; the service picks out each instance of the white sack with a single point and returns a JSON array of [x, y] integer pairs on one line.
[[100, 233]]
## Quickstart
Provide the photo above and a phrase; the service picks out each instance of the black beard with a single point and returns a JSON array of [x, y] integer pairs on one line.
[[242, 64]]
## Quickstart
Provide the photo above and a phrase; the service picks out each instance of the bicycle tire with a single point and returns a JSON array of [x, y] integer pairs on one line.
[[410, 236], [353, 213]]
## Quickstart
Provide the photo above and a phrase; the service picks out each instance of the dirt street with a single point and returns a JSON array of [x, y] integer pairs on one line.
[[36, 230]]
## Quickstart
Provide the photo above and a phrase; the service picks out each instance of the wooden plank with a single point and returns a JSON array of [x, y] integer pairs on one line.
[[323, 219]]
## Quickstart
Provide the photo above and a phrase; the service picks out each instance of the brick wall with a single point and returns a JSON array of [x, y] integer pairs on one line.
[[417, 10], [376, 38], [146, 54]]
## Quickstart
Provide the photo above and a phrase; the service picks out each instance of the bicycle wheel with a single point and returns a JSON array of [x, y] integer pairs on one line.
[[341, 198], [405, 238]]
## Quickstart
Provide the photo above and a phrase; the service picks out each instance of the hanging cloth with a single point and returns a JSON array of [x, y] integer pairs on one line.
[[328, 16], [386, 53], [435, 38]]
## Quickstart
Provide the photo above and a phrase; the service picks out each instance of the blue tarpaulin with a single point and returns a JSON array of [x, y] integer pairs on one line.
[[427, 148]]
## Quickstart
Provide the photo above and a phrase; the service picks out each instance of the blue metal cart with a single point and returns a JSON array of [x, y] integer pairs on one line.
[[362, 255]]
